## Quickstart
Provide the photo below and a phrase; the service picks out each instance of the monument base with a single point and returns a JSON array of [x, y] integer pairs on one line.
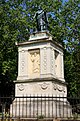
[[38, 107], [40, 98]]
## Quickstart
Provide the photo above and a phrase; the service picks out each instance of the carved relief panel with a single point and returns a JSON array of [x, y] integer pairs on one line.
[[34, 62]]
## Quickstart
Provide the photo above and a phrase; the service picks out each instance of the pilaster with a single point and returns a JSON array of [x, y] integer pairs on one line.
[[62, 66], [22, 64], [43, 60]]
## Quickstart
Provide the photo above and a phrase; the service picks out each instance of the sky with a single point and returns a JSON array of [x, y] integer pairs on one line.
[[65, 1]]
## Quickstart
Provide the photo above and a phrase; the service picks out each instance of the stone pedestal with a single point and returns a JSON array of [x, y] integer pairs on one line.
[[40, 67]]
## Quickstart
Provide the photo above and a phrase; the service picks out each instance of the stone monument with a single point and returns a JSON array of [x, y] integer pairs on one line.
[[40, 64]]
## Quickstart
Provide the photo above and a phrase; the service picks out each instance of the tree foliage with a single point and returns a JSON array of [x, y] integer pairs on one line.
[[13, 27], [72, 72], [71, 15], [17, 22]]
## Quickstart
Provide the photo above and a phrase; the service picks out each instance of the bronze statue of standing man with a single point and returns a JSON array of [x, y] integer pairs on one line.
[[42, 20]]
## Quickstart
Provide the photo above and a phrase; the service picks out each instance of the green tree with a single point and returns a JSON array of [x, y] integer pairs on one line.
[[71, 21], [13, 27]]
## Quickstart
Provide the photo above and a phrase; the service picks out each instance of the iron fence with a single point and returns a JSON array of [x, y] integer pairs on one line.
[[39, 107]]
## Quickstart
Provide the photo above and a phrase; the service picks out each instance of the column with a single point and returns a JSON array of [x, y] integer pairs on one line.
[[19, 56], [53, 62], [62, 67], [49, 60], [22, 64], [43, 60]]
